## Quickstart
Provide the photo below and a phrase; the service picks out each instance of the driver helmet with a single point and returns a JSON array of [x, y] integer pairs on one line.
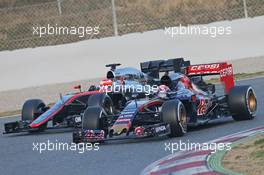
[[182, 82], [187, 82]]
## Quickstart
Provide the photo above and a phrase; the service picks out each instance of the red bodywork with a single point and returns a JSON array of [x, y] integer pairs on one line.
[[225, 71]]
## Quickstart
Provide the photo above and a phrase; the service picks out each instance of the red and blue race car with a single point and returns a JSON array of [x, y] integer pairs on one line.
[[182, 99]]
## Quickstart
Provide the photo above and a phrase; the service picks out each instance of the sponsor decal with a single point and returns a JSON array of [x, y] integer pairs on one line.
[[226, 72], [160, 129], [205, 67], [202, 107], [78, 119]]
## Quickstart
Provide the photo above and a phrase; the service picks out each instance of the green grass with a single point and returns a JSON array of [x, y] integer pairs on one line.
[[259, 142], [258, 154], [248, 75], [239, 76], [16, 112], [9, 113]]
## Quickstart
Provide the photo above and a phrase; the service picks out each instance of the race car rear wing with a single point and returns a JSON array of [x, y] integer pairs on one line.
[[153, 68], [224, 69]]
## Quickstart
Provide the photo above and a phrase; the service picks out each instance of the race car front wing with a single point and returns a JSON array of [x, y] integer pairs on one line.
[[17, 126], [156, 130]]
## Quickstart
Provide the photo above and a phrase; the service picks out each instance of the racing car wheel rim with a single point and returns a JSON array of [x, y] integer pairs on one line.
[[252, 101], [183, 118]]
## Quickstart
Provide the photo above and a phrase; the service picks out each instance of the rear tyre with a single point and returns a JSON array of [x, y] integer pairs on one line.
[[30, 108], [242, 102], [173, 113]]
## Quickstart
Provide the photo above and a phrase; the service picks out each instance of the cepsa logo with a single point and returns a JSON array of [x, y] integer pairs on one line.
[[205, 67]]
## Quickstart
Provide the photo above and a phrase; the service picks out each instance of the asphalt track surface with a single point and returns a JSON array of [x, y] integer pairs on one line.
[[119, 157]]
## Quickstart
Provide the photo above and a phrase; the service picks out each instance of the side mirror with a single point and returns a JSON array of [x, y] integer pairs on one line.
[[78, 87]]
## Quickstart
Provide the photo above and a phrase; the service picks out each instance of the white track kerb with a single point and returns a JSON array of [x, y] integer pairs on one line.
[[194, 162]]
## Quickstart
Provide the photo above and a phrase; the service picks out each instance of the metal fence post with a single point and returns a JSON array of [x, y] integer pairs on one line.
[[59, 6], [114, 18], [245, 8]]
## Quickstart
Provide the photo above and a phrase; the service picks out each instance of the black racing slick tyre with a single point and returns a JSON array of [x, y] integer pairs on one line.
[[242, 102], [30, 108], [174, 113], [101, 100], [91, 118]]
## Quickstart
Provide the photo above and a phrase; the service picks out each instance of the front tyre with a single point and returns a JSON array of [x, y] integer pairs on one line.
[[101, 100], [31, 108], [242, 102], [94, 119], [174, 113]]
